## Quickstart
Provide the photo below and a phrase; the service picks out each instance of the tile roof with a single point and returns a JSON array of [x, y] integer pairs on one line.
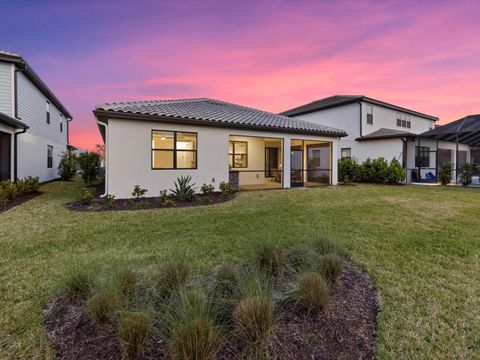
[[339, 100], [215, 112], [385, 134]]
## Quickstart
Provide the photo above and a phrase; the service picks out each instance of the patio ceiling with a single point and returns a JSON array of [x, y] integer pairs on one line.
[[465, 131]]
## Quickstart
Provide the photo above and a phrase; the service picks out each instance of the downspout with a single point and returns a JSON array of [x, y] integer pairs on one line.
[[456, 149], [106, 152]]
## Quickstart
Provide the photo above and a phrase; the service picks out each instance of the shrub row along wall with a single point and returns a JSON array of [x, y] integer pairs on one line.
[[378, 171]]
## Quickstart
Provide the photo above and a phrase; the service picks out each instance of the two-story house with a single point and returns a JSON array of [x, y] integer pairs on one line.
[[33, 122], [379, 129]]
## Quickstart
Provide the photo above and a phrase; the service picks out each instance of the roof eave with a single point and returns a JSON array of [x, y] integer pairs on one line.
[[292, 112], [386, 137], [9, 121], [105, 115]]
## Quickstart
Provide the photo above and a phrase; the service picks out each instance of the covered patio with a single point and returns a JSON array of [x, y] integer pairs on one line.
[[457, 143]]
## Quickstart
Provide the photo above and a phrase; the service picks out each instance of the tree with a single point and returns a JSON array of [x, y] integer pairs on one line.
[[90, 165], [67, 168]]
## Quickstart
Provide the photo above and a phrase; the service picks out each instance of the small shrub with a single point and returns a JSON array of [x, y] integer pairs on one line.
[[312, 292], [90, 166], [227, 278], [102, 306], [8, 189], [169, 203], [207, 190], [272, 259], [109, 201], [87, 198], [134, 329], [138, 192], [163, 196], [253, 320], [184, 189], [330, 267], [31, 184], [77, 283], [192, 327], [3, 199], [347, 170], [226, 189], [445, 173], [466, 172], [67, 168], [170, 277], [396, 172], [324, 246]]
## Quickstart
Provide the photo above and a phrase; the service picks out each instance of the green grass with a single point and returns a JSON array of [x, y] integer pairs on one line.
[[422, 246]]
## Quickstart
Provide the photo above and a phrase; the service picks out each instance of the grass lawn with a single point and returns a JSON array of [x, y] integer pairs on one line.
[[422, 246]]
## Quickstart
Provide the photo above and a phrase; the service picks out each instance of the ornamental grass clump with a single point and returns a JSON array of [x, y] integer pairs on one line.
[[191, 327], [102, 307], [77, 283], [226, 280], [324, 246], [134, 329], [170, 277], [127, 281], [272, 259], [301, 257], [311, 293], [330, 266]]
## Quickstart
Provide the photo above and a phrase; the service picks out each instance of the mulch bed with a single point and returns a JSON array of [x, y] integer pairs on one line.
[[346, 330], [19, 200]]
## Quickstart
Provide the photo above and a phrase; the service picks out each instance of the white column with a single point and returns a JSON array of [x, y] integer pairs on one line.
[[286, 162], [334, 144]]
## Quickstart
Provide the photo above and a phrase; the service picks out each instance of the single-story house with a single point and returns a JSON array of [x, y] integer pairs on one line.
[[380, 129], [152, 143], [33, 122]]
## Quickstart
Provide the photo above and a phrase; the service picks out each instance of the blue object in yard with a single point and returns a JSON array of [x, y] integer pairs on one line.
[[430, 176]]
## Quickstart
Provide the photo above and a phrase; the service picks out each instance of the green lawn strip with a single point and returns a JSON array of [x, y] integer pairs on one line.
[[420, 244]]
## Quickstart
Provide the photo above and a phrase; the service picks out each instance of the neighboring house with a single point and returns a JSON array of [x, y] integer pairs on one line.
[[33, 122], [152, 143], [379, 129]]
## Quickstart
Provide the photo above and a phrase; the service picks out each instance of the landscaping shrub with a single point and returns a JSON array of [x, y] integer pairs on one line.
[[163, 196], [90, 166], [102, 307], [67, 167], [272, 259], [192, 327], [330, 267], [312, 292], [109, 201], [207, 191], [253, 320], [28, 185], [184, 189], [445, 173], [87, 198], [169, 202], [226, 189], [466, 172], [8, 189], [347, 170], [77, 283], [226, 280], [138, 192], [134, 329], [396, 172], [324, 245], [170, 277]]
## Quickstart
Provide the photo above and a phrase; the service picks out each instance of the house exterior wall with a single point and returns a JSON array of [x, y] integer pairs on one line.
[[6, 88], [32, 146], [128, 156], [9, 130]]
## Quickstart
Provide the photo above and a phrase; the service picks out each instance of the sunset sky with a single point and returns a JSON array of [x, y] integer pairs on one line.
[[271, 55]]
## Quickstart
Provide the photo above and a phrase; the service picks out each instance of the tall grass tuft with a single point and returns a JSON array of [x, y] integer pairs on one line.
[[170, 277], [226, 280], [134, 329], [272, 259], [102, 307], [330, 266], [312, 292], [77, 283], [301, 257], [127, 280], [324, 246], [191, 327]]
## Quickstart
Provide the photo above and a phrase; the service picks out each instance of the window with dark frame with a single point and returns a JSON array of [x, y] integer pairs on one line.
[[61, 123], [346, 153], [422, 156], [48, 111], [238, 154], [49, 156], [409, 124], [174, 150], [370, 114], [399, 122]]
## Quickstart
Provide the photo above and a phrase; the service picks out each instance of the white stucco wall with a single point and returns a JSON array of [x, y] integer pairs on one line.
[[128, 156]]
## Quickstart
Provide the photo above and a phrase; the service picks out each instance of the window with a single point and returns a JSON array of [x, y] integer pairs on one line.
[[48, 112], [49, 156], [399, 122], [346, 153], [404, 123], [61, 123], [174, 150], [409, 124], [370, 114], [422, 156], [403, 120], [238, 154]]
